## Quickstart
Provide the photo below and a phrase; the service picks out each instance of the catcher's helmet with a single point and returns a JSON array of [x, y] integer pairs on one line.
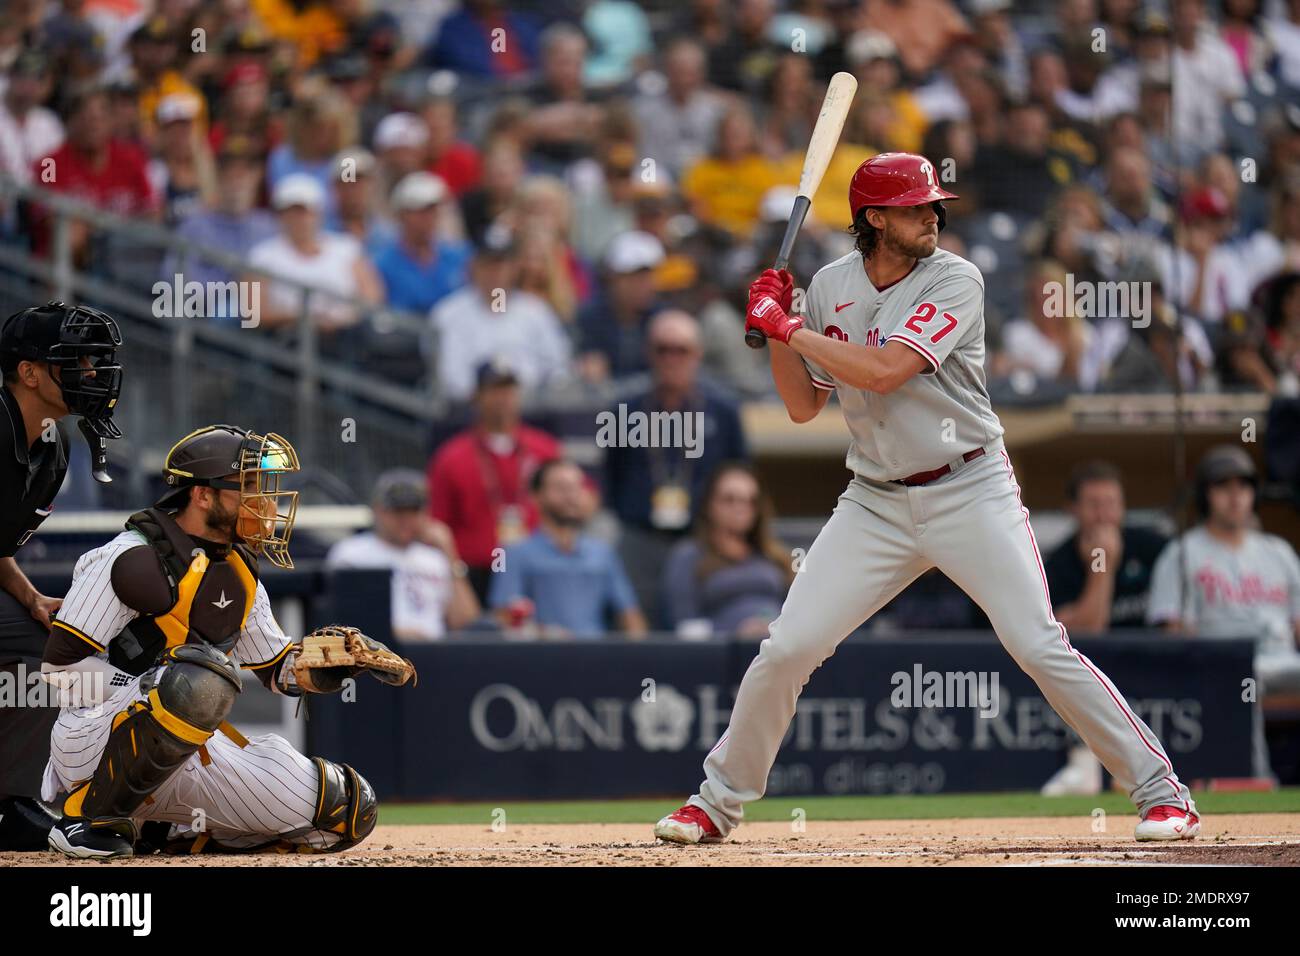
[[62, 335], [1222, 463], [210, 456], [895, 179]]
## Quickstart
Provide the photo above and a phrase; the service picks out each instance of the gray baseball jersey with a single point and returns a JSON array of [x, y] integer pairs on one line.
[[1251, 592], [970, 524], [937, 309]]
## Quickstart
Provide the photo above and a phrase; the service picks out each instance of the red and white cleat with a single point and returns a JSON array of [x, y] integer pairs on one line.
[[1168, 823], [690, 824]]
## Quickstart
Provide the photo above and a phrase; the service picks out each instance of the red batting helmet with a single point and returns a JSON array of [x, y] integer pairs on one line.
[[895, 179]]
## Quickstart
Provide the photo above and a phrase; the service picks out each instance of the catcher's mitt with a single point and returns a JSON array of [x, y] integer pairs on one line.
[[330, 654]]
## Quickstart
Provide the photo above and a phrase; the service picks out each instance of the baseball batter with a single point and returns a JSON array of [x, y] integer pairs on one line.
[[151, 637], [896, 329]]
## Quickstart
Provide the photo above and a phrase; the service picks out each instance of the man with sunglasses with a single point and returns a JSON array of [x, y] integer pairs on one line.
[[56, 361], [151, 637]]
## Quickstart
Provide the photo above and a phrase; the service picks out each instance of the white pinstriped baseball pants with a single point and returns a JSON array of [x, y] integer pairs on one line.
[[972, 526], [241, 796]]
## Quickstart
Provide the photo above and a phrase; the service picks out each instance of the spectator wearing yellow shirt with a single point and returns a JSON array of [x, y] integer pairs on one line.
[[726, 188], [154, 46], [315, 27]]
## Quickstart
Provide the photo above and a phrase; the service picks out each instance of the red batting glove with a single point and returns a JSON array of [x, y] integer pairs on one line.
[[779, 285], [766, 315]]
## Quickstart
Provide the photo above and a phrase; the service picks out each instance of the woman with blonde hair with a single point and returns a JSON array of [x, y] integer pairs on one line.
[[321, 122], [540, 215]]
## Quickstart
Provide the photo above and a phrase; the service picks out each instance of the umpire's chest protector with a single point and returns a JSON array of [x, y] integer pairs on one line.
[[184, 590]]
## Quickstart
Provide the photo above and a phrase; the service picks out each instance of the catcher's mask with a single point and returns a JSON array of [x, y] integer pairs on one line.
[[62, 336], [229, 458]]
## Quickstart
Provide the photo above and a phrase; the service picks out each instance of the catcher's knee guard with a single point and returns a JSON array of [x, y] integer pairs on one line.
[[346, 804], [152, 738]]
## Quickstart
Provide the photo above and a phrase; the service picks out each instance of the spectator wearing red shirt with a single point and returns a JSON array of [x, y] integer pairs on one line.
[[93, 166], [451, 159], [479, 479]]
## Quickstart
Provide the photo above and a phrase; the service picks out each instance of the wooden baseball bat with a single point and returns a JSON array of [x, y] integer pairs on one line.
[[825, 137]]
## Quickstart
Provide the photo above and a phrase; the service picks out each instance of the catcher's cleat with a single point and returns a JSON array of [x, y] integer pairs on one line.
[[1168, 823], [87, 839], [690, 824]]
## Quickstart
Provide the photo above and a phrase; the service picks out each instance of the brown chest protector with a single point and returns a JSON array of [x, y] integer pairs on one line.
[[184, 592]]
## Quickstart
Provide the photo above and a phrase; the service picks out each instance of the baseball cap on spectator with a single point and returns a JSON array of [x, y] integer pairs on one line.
[[252, 39], [400, 129], [864, 46], [298, 189], [155, 29], [495, 371], [634, 251], [177, 107], [1206, 202], [69, 35], [245, 71], [1151, 22], [400, 489], [418, 191]]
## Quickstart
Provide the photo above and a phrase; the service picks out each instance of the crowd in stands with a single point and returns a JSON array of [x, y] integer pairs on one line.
[[540, 179], [579, 191]]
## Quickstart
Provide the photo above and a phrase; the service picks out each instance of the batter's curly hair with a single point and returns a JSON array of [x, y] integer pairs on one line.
[[865, 236]]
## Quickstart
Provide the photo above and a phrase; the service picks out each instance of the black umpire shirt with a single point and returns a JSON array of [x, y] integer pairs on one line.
[[30, 477]]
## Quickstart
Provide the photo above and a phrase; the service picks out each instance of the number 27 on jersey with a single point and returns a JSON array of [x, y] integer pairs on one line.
[[924, 315]]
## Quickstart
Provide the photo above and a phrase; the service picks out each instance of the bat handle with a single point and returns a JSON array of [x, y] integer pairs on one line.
[[754, 338]]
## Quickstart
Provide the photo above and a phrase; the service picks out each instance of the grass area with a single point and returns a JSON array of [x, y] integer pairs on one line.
[[929, 807]]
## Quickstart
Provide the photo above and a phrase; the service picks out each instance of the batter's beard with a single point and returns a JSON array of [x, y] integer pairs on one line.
[[915, 249]]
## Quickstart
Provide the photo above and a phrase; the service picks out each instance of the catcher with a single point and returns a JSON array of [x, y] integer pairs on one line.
[[153, 632]]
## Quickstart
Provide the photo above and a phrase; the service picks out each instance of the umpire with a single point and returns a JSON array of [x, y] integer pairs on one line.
[[56, 360]]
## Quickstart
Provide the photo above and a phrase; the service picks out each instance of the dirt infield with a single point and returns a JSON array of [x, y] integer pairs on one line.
[[1266, 839]]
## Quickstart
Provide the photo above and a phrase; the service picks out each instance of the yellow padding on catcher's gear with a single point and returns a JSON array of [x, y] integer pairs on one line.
[[199, 842], [173, 724], [121, 716], [245, 578], [233, 735], [72, 805], [175, 624]]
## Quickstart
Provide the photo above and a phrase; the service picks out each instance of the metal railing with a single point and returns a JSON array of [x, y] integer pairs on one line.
[[192, 369]]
